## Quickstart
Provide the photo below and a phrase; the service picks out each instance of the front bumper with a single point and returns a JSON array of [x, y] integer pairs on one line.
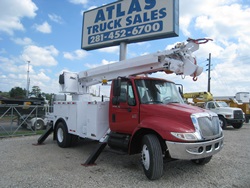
[[231, 121], [189, 151]]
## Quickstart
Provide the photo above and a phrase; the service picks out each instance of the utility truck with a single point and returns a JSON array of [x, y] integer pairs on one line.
[[30, 112], [240, 100], [228, 115], [144, 115]]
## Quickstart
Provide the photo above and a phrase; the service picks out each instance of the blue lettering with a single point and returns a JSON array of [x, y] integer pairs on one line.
[[89, 29], [95, 29], [137, 19], [117, 23], [103, 26], [100, 16], [163, 13], [134, 7], [128, 20], [110, 11], [119, 12], [154, 15], [145, 17], [149, 4]]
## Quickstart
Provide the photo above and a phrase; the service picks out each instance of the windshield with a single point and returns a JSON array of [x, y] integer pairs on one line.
[[157, 91], [221, 104]]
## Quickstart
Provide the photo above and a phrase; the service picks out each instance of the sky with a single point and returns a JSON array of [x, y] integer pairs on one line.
[[47, 34]]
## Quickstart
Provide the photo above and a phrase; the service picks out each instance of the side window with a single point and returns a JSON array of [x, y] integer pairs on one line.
[[127, 93], [131, 96], [123, 95], [211, 105]]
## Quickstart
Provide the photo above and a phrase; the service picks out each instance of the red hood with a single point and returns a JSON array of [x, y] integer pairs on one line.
[[170, 117]]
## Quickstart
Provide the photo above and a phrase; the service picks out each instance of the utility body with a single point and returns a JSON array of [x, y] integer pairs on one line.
[[143, 115]]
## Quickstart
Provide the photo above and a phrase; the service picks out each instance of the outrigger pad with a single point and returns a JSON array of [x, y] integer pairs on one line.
[[95, 154], [45, 135]]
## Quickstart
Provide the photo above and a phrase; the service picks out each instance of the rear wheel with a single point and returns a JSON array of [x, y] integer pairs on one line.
[[202, 161], [223, 122], [63, 138], [38, 125], [151, 156]]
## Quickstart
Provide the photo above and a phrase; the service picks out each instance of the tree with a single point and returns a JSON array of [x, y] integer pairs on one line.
[[4, 94], [36, 91], [17, 92]]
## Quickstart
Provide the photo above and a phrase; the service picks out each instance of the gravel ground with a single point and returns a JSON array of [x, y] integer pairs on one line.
[[26, 165]]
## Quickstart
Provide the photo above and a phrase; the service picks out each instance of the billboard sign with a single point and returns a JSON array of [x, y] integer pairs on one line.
[[129, 21]]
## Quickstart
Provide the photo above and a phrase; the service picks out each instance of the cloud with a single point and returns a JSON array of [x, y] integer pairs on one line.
[[55, 18], [12, 12], [22, 41], [112, 49], [40, 56], [83, 2], [76, 55], [43, 28]]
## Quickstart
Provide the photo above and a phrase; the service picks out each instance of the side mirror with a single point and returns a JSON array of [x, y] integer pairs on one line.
[[117, 87]]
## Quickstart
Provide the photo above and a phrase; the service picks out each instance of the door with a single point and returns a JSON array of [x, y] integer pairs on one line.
[[125, 115]]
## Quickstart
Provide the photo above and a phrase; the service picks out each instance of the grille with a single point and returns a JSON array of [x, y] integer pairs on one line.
[[209, 127], [238, 114]]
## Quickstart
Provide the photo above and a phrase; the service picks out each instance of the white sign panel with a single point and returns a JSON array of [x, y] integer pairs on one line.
[[130, 21]]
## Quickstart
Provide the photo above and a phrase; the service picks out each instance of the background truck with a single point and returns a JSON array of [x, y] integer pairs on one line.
[[144, 115], [240, 100], [29, 112], [227, 115]]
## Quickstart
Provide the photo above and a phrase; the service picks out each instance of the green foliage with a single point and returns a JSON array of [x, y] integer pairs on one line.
[[36, 91], [4, 94], [17, 92]]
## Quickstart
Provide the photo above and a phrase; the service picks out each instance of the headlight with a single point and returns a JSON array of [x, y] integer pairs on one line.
[[185, 136]]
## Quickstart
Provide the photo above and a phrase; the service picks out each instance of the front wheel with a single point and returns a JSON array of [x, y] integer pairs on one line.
[[151, 156], [237, 125], [223, 122], [202, 161], [63, 138]]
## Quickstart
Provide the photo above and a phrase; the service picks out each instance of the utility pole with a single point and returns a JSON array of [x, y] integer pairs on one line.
[[28, 80], [209, 69]]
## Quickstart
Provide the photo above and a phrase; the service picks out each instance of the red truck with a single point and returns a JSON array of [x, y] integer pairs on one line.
[[143, 115]]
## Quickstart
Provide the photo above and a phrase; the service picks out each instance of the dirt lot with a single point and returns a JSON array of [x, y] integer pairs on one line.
[[25, 165]]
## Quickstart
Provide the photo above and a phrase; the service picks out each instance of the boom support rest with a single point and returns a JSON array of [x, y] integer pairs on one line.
[[45, 135], [95, 154]]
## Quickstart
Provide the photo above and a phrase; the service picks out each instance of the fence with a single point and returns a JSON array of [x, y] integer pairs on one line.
[[22, 120]]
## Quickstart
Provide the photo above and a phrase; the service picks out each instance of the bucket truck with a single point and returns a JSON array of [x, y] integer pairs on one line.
[[144, 115]]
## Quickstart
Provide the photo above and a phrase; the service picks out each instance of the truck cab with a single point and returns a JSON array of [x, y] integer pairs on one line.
[[227, 115], [148, 115]]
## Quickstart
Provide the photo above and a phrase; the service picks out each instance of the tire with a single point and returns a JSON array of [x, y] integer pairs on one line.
[[38, 125], [74, 140], [247, 120], [63, 138], [237, 125], [202, 161], [223, 122], [151, 156]]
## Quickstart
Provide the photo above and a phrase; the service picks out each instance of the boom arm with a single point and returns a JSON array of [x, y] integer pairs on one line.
[[178, 60]]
